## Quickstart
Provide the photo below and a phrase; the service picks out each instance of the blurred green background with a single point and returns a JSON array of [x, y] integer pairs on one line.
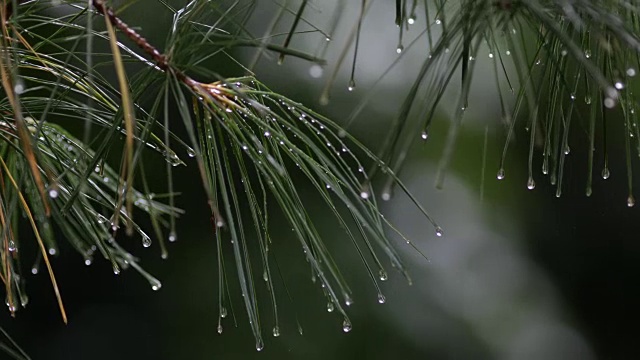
[[518, 274]]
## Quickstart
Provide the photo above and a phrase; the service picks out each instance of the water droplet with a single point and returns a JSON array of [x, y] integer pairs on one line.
[[411, 20], [267, 134], [219, 223], [383, 275], [386, 196], [424, 135], [316, 71], [352, 85], [381, 299], [563, 52], [259, 345], [399, 49], [34, 270], [265, 276], [346, 325], [508, 53], [587, 53], [53, 193], [348, 300], [588, 191], [631, 201], [156, 285], [276, 331], [500, 175], [173, 159], [223, 312], [328, 38], [439, 231], [364, 195], [531, 184], [587, 100], [19, 87], [191, 153], [330, 306], [87, 261], [605, 173], [490, 55], [438, 22], [219, 328], [146, 241], [572, 97], [567, 150], [12, 246], [173, 236], [631, 72], [52, 251], [609, 102], [618, 85]]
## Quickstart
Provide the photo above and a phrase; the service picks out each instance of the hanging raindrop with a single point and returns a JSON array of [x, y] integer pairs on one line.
[[383, 275], [500, 175], [146, 241], [156, 285], [631, 201], [352, 85], [531, 184], [605, 173], [381, 299], [346, 325], [276, 331], [330, 306], [439, 231], [347, 300]]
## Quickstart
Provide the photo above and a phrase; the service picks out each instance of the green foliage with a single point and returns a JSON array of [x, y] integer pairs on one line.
[[74, 138]]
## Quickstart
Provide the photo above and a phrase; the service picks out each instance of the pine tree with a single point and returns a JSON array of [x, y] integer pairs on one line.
[[88, 101]]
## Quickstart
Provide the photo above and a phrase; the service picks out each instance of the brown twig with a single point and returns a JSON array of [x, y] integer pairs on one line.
[[155, 54]]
